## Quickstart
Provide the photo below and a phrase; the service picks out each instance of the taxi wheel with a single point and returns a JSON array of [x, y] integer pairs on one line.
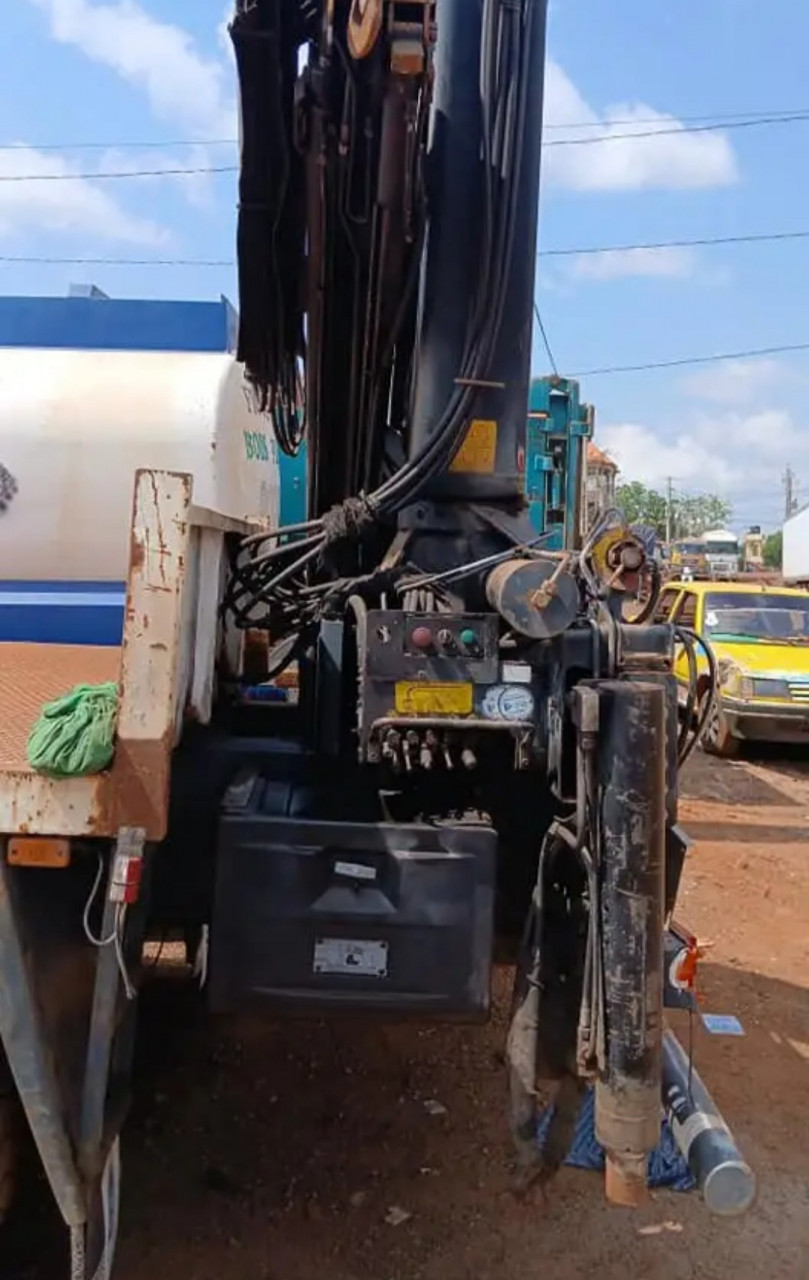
[[717, 739]]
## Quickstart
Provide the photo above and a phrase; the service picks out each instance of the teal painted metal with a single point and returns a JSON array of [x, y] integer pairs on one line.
[[558, 429], [292, 479]]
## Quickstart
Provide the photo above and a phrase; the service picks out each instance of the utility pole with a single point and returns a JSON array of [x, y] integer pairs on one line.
[[790, 501], [669, 510]]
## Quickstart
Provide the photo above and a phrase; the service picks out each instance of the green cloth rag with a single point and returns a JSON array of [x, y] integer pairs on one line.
[[75, 735]]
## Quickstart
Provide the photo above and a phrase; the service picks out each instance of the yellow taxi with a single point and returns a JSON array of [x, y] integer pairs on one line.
[[760, 638]]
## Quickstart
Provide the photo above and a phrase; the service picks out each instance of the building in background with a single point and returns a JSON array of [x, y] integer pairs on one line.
[[754, 549], [601, 476]]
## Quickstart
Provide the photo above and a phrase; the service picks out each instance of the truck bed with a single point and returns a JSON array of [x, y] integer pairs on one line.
[[34, 674], [165, 669], [31, 804], [154, 668]]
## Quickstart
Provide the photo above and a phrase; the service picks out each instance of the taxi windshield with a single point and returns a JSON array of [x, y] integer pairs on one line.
[[771, 619]]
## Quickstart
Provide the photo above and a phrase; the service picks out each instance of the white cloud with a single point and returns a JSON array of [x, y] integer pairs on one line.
[[617, 264], [669, 161], [643, 454], [740, 456], [736, 382], [197, 184], [182, 85], [57, 201], [223, 29]]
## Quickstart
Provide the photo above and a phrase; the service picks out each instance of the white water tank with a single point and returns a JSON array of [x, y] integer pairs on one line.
[[76, 425]]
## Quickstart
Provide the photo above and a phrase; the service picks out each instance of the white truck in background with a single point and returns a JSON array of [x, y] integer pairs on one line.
[[795, 554]]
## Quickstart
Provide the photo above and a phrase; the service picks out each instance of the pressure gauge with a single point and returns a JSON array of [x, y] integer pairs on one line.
[[508, 702]]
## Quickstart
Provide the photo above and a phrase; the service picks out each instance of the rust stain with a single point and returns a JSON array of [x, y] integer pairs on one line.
[[136, 790], [137, 552]]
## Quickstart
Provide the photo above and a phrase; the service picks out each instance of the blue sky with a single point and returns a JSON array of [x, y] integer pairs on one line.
[[159, 72]]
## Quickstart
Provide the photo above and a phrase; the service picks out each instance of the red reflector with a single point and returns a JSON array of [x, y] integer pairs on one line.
[[126, 878]]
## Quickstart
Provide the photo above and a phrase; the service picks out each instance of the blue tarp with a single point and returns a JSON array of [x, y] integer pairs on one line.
[[667, 1168]]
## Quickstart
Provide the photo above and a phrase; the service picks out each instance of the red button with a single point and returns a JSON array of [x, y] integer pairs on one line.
[[421, 638]]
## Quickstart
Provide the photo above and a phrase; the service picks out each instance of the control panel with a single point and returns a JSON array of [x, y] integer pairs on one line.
[[432, 646], [429, 681]]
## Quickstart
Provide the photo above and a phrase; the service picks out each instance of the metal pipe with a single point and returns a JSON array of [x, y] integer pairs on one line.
[[632, 861], [726, 1181], [26, 1042]]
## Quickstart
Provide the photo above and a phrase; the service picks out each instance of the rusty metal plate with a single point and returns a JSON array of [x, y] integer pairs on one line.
[[38, 851], [33, 674]]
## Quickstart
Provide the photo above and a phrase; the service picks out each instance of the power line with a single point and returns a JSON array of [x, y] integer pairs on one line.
[[117, 173], [709, 117], [718, 119], [549, 353], [763, 237], [117, 262], [686, 360], [755, 121], [123, 145], [583, 373], [796, 117], [564, 252]]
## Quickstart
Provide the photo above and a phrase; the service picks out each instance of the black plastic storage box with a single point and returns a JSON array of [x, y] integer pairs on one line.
[[313, 916]]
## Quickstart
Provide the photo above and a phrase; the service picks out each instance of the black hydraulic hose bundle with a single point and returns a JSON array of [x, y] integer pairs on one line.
[[272, 213], [691, 731], [259, 575]]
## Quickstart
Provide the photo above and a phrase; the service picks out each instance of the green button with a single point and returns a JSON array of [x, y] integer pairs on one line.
[[469, 637]]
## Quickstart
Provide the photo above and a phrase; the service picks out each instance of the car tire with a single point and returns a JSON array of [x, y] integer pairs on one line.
[[717, 738]]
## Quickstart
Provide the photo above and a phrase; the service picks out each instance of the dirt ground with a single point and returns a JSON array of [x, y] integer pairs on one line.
[[289, 1151]]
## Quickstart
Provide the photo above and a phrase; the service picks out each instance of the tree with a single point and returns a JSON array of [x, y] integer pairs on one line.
[[689, 516], [696, 515], [642, 506], [773, 550]]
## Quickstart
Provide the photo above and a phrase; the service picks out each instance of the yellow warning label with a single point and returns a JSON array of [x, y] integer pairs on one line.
[[478, 452], [415, 698]]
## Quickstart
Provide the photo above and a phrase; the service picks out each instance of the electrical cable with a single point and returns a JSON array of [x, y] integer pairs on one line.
[[117, 262], [91, 937], [681, 124], [107, 174], [682, 361], [710, 117], [755, 237], [655, 587], [568, 251], [691, 698], [798, 118], [548, 351], [690, 639], [115, 938]]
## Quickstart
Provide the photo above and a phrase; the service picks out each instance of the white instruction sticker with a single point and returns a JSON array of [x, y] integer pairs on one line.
[[711, 619], [515, 673], [355, 870], [360, 956]]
